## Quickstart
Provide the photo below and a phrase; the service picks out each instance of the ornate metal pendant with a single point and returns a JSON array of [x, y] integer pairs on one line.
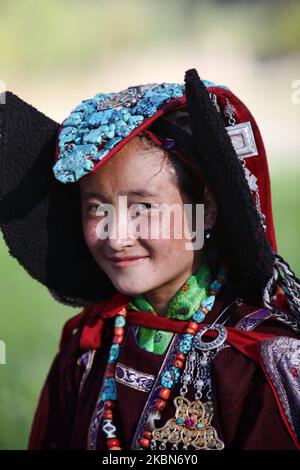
[[191, 427]]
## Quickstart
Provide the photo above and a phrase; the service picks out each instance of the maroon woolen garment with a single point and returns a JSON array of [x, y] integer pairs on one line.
[[246, 415]]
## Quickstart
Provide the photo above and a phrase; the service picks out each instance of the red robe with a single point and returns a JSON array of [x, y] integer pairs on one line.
[[247, 413]]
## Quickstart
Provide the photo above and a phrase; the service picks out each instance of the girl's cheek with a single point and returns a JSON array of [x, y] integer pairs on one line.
[[90, 233]]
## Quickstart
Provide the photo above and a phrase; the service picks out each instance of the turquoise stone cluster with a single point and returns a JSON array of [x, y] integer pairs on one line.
[[98, 124], [95, 126]]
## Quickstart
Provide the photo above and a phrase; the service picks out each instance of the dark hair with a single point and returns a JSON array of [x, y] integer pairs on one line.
[[217, 248], [192, 184]]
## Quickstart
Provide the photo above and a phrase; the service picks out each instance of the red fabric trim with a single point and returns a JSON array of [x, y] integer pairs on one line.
[[92, 330], [281, 412], [244, 341]]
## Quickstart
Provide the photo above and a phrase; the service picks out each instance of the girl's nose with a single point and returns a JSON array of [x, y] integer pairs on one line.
[[118, 233]]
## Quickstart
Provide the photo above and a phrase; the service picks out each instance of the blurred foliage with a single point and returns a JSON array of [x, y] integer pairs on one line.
[[57, 36]]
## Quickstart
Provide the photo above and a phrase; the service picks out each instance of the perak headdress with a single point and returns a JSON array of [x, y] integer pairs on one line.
[[40, 207]]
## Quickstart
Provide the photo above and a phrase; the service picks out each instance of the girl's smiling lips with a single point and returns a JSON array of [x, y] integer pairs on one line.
[[122, 262]]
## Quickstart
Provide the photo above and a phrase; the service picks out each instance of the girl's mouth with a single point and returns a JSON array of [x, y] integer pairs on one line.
[[127, 262]]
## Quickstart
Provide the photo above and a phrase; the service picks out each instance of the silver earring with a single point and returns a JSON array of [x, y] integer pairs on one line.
[[207, 232]]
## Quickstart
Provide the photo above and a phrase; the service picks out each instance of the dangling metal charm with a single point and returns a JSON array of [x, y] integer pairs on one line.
[[214, 99], [229, 112]]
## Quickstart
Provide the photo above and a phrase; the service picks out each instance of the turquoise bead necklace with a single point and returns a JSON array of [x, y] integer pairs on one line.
[[168, 381]]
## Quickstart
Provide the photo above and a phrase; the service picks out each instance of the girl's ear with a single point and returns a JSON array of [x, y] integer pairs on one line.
[[210, 208]]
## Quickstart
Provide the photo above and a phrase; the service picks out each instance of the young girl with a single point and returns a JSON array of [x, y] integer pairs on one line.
[[181, 343]]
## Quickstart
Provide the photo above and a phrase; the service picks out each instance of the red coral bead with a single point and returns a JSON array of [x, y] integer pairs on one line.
[[164, 393], [204, 309], [193, 325], [107, 414], [147, 434], [145, 442], [178, 364], [118, 339], [180, 357], [109, 404], [109, 375], [113, 443], [123, 312], [190, 331], [119, 331], [212, 292], [160, 404]]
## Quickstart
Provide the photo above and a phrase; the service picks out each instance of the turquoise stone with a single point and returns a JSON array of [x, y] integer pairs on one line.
[[110, 390], [94, 136], [67, 135], [185, 344], [120, 321], [74, 119], [216, 285], [122, 129], [135, 120], [170, 377], [102, 96], [113, 353], [82, 106], [72, 167], [198, 316], [126, 116], [209, 302], [101, 154], [112, 142]]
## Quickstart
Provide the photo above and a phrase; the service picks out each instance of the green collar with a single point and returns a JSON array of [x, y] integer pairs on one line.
[[181, 307]]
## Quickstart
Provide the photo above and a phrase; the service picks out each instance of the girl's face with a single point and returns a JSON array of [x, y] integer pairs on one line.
[[137, 172]]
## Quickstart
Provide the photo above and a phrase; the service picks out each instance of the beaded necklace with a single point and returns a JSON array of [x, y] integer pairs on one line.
[[191, 418]]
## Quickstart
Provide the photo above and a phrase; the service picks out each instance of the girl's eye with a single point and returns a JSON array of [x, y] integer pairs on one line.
[[93, 208], [142, 207]]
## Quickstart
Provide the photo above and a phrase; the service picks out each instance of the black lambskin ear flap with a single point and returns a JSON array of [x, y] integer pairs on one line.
[[40, 217], [223, 169], [27, 152], [27, 145]]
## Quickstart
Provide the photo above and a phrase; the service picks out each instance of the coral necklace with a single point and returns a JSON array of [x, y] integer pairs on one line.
[[169, 379]]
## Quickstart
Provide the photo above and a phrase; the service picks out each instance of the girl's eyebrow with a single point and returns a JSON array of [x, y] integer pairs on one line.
[[92, 194], [142, 192]]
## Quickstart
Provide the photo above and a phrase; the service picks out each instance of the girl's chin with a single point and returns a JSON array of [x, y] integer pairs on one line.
[[133, 288], [129, 290]]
